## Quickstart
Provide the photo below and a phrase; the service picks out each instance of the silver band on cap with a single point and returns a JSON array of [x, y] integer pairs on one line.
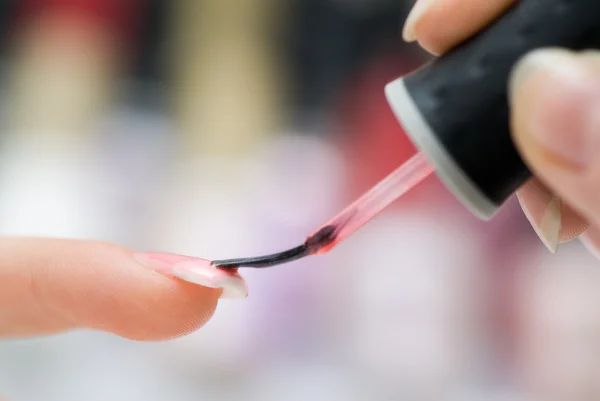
[[424, 138]]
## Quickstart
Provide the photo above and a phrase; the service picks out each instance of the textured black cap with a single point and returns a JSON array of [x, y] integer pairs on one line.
[[456, 108]]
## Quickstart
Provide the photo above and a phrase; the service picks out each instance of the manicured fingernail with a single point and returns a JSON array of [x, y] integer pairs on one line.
[[197, 271], [549, 225], [592, 56], [420, 7], [563, 95], [549, 230], [591, 242], [535, 62], [201, 272]]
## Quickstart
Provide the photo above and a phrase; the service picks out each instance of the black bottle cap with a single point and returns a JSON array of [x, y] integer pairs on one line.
[[456, 108]]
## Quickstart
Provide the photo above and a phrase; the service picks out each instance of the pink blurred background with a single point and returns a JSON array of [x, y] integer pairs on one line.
[[225, 128]]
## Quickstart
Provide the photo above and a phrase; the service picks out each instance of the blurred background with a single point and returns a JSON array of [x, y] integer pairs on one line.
[[222, 128]]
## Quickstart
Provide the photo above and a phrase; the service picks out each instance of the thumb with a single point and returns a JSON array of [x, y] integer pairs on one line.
[[555, 100]]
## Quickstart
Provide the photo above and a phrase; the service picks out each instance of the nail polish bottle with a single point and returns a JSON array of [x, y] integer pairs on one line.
[[456, 108]]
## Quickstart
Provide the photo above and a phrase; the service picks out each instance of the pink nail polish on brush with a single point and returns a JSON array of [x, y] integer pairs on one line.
[[456, 112], [348, 221]]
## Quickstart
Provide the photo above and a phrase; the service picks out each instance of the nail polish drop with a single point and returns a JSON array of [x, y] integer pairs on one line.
[[369, 205]]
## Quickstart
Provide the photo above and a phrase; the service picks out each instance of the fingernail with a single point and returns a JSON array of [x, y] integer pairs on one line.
[[534, 62], [591, 55], [408, 33], [197, 271], [591, 242], [549, 225], [549, 230], [562, 96]]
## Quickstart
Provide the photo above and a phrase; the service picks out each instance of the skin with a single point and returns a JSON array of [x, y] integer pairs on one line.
[[553, 92], [50, 286], [443, 25]]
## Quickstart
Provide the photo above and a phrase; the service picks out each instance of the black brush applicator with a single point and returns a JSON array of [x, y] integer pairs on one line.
[[456, 111]]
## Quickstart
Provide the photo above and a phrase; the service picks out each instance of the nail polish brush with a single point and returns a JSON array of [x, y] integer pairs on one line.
[[349, 220], [456, 111]]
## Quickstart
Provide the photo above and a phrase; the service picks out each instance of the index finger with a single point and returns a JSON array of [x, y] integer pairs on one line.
[[439, 25], [51, 285]]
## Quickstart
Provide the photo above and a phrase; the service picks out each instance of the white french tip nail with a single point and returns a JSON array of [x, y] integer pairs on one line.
[[233, 287], [408, 33], [589, 245], [550, 225]]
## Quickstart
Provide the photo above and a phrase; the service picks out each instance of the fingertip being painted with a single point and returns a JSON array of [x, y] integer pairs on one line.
[[591, 242], [201, 272], [548, 226], [197, 271], [551, 224]]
